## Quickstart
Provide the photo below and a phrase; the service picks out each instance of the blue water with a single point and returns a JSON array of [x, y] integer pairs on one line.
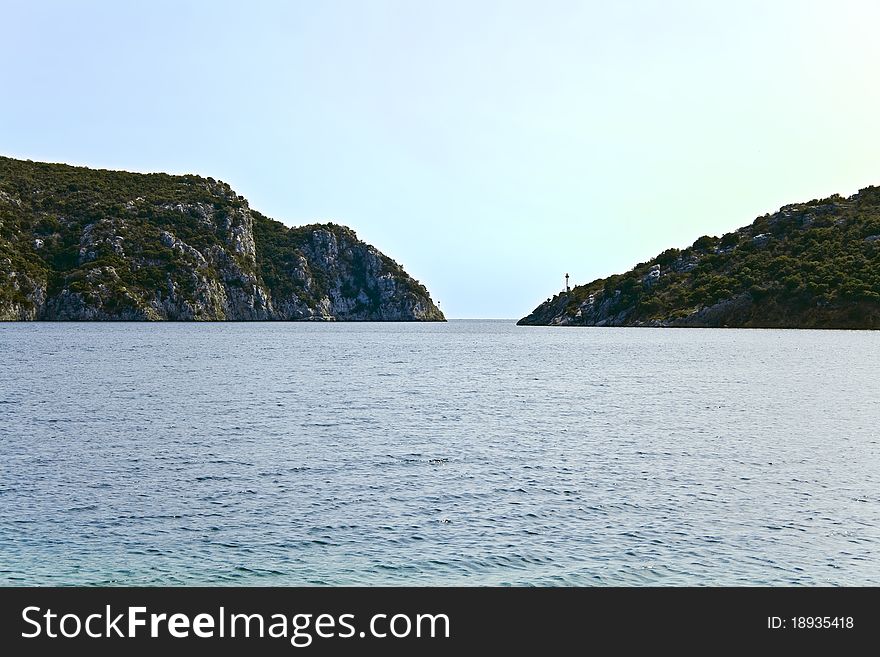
[[472, 452]]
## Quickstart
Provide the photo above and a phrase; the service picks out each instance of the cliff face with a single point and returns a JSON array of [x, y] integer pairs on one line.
[[810, 265], [81, 244]]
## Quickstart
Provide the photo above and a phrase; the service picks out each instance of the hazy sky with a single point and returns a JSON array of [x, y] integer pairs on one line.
[[489, 147]]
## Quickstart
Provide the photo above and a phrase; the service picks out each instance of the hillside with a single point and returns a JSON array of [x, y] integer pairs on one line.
[[809, 265], [85, 244]]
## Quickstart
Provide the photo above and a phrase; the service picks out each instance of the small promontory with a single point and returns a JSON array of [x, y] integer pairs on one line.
[[85, 244], [809, 265]]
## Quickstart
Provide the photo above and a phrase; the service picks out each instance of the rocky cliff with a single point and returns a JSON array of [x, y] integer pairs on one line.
[[809, 265], [84, 244]]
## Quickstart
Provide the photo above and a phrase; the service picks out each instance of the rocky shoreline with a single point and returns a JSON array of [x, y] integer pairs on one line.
[[809, 265], [89, 245]]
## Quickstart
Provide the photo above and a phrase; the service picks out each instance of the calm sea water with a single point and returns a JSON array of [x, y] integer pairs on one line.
[[473, 452]]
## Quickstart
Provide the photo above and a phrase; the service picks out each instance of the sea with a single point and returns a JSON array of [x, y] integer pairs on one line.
[[472, 452]]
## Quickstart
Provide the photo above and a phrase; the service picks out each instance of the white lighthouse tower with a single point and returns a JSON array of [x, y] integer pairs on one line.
[[567, 289]]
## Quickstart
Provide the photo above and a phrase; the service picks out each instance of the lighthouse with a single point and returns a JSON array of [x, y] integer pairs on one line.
[[567, 289]]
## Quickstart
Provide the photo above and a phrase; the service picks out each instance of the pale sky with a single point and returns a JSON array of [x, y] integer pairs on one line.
[[489, 147]]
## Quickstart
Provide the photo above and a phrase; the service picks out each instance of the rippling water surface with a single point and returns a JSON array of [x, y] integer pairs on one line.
[[473, 452]]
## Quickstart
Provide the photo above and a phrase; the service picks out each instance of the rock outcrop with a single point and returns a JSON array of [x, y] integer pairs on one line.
[[83, 244]]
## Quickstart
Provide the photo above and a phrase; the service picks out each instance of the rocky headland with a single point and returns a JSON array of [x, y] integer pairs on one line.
[[809, 265], [86, 244]]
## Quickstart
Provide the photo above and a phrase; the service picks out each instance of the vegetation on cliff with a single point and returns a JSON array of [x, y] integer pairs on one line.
[[78, 243], [809, 265]]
